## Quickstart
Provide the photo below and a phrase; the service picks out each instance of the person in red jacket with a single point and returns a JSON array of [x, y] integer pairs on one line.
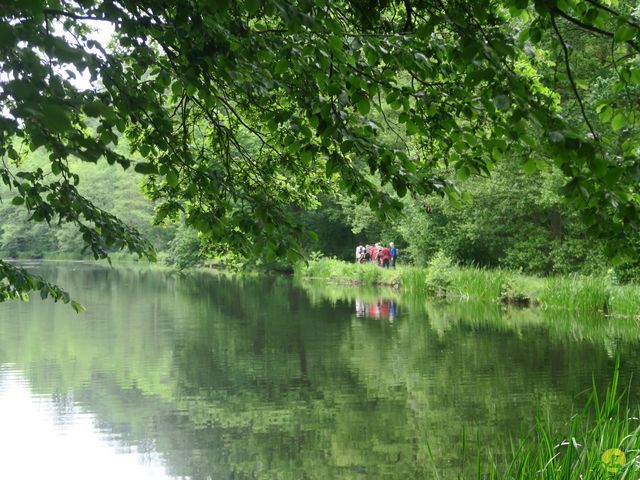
[[385, 256], [374, 253]]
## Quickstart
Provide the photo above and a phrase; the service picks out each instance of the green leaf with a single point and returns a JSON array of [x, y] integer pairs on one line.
[[335, 42], [6, 33], [333, 164], [624, 32], [172, 178], [599, 166], [33, 5], [17, 201], [530, 167], [619, 121], [55, 117], [146, 168], [364, 106], [77, 307], [605, 114], [252, 6], [282, 66], [463, 172], [306, 156], [412, 128], [399, 186]]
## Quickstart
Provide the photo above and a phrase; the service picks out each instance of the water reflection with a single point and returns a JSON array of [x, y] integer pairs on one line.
[[48, 437], [382, 308], [229, 377]]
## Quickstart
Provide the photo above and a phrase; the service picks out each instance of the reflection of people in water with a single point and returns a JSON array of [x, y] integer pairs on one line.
[[382, 308]]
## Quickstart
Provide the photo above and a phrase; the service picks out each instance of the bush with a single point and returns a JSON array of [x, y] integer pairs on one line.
[[440, 274], [521, 290], [185, 250]]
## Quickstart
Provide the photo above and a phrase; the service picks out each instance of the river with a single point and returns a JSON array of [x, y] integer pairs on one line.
[[218, 376]]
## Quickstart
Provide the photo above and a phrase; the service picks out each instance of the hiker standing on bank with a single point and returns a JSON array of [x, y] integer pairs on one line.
[[394, 254], [385, 256], [374, 253]]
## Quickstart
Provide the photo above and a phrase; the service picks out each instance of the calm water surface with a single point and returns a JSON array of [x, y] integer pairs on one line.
[[208, 377]]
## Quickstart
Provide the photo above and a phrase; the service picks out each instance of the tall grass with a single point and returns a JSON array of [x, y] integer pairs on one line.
[[602, 441], [412, 280], [479, 284], [624, 300], [576, 293]]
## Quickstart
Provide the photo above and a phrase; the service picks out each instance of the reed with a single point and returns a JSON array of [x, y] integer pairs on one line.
[[602, 441], [479, 284], [585, 294], [624, 300]]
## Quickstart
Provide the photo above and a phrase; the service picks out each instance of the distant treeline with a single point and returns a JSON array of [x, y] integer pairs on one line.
[[511, 220]]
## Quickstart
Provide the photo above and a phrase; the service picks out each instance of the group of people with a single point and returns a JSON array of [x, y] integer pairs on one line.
[[384, 255]]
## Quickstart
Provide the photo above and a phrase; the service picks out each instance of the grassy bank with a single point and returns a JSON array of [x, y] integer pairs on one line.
[[442, 278]]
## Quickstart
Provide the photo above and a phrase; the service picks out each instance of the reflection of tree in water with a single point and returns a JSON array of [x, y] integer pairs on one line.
[[256, 378], [63, 407]]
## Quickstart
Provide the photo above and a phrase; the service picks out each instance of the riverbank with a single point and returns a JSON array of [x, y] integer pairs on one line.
[[442, 278]]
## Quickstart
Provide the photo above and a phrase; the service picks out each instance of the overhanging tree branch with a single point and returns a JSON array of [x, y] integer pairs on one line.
[[589, 27], [565, 50], [56, 12]]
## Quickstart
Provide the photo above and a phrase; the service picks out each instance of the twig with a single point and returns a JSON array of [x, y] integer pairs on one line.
[[54, 11], [565, 49]]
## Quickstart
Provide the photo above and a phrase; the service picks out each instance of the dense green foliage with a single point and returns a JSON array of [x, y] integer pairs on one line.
[[241, 114]]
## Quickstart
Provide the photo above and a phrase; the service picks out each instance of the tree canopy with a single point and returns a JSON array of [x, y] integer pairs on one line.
[[240, 113]]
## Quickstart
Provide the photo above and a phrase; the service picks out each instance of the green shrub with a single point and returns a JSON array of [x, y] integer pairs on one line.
[[440, 274], [521, 290]]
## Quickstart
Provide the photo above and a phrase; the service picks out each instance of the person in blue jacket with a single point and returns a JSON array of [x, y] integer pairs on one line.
[[394, 254]]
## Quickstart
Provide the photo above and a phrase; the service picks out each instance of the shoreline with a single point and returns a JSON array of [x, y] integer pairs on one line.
[[444, 280]]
